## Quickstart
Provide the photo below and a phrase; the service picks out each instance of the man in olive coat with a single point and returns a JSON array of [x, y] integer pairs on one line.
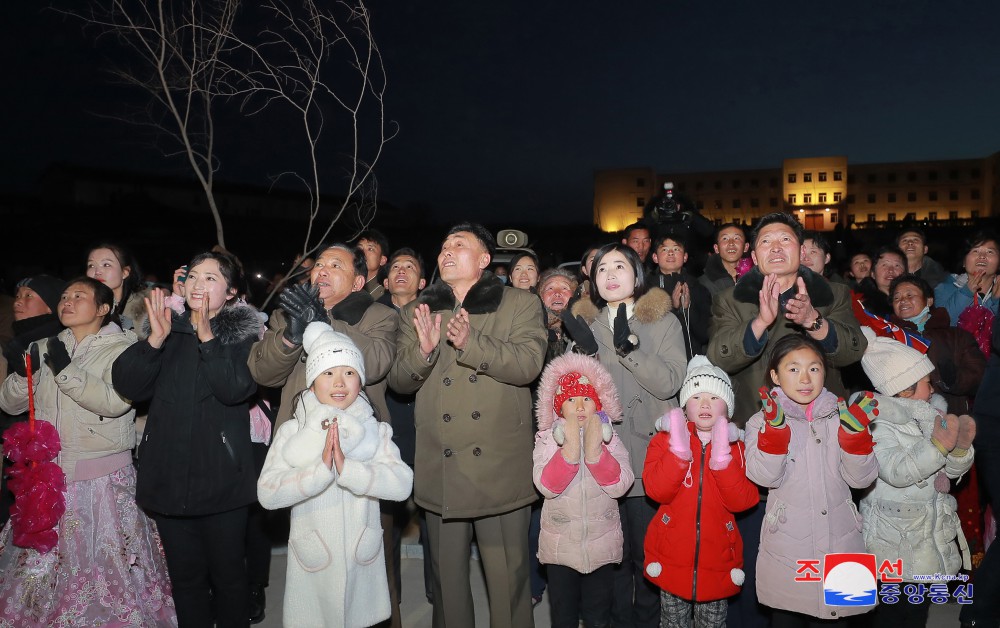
[[469, 347], [776, 298]]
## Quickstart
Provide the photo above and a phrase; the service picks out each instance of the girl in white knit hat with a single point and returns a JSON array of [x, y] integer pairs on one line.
[[908, 514], [694, 552], [332, 464]]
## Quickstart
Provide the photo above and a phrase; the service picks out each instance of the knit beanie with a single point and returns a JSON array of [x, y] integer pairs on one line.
[[892, 366], [327, 349], [703, 376], [574, 385], [47, 287]]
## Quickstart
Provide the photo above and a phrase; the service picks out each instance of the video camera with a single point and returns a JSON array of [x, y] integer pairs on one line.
[[673, 213]]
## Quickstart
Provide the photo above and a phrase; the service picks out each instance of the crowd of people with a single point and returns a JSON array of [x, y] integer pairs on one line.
[[644, 444]]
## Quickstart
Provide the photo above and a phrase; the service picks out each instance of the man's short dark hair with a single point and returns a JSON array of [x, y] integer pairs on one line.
[[485, 237], [776, 217], [676, 237], [914, 230], [818, 239], [376, 236], [627, 233], [407, 251], [727, 225], [360, 264]]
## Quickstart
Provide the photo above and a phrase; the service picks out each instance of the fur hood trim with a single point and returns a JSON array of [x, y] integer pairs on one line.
[[590, 367], [483, 298], [359, 431], [352, 308], [900, 410], [232, 325], [747, 289], [650, 307]]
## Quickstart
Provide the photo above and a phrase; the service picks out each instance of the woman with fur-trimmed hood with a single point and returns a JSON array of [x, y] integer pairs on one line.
[[635, 338], [581, 467]]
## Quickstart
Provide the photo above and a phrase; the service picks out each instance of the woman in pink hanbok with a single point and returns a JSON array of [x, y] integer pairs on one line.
[[77, 550]]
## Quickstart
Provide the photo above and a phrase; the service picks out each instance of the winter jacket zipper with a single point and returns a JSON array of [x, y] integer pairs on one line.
[[697, 524], [229, 450]]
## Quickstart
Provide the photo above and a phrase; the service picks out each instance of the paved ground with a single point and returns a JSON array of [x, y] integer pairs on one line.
[[417, 612]]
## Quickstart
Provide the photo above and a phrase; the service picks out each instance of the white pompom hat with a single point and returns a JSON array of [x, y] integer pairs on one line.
[[327, 349]]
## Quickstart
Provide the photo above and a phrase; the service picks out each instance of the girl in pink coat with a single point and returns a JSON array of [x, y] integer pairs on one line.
[[581, 467]]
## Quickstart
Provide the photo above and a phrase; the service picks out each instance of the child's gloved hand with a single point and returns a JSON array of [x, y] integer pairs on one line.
[[966, 434], [593, 439], [680, 439], [571, 446], [775, 433], [945, 434], [853, 436], [721, 454]]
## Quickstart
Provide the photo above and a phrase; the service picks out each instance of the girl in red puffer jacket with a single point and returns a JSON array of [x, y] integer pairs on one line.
[[694, 552]]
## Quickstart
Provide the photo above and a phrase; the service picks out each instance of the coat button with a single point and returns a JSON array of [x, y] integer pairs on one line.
[[484, 366], [414, 376], [822, 512], [447, 453], [446, 418], [447, 381], [818, 440], [477, 452], [472, 378], [475, 415], [724, 350]]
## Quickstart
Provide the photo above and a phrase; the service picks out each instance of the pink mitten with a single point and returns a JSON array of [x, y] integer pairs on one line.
[[680, 440], [721, 454]]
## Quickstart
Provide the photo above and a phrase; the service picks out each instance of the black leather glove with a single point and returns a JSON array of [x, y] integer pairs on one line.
[[579, 331], [55, 355], [14, 352], [625, 341], [302, 306]]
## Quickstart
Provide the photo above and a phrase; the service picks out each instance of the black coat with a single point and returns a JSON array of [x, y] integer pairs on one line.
[[694, 319], [195, 456]]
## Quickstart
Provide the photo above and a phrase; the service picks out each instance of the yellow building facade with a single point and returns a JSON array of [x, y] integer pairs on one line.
[[822, 191]]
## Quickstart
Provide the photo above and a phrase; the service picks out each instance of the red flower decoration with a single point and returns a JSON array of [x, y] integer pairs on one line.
[[20, 444], [743, 266]]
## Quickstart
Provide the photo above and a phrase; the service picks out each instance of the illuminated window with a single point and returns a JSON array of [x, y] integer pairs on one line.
[[911, 197], [807, 198], [791, 199], [838, 175], [822, 176], [791, 177], [892, 217], [834, 217], [807, 177], [871, 217], [822, 197], [952, 215], [837, 196], [932, 215]]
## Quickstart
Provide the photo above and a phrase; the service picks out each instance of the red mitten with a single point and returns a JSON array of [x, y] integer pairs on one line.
[[853, 435], [775, 433]]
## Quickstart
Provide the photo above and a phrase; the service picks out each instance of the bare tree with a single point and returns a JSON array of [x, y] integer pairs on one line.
[[317, 61], [176, 48]]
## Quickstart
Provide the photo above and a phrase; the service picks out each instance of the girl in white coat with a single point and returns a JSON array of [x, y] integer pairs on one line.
[[332, 464], [908, 514]]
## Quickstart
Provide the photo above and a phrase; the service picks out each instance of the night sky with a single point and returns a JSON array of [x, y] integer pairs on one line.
[[507, 108]]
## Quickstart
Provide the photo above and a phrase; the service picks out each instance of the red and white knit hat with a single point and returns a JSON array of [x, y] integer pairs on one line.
[[573, 384]]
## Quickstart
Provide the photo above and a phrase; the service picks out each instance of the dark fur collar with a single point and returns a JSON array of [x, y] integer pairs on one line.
[[484, 297], [649, 308], [875, 301], [232, 325], [352, 308], [715, 271], [748, 287]]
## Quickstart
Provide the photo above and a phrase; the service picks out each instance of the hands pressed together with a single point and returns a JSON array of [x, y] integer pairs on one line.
[[799, 309], [587, 436], [428, 328]]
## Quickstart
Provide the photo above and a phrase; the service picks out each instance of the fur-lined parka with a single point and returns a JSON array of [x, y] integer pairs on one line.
[[473, 407], [580, 525], [195, 457], [734, 310], [648, 377]]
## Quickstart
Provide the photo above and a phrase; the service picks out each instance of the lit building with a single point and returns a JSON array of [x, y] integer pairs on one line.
[[822, 191]]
